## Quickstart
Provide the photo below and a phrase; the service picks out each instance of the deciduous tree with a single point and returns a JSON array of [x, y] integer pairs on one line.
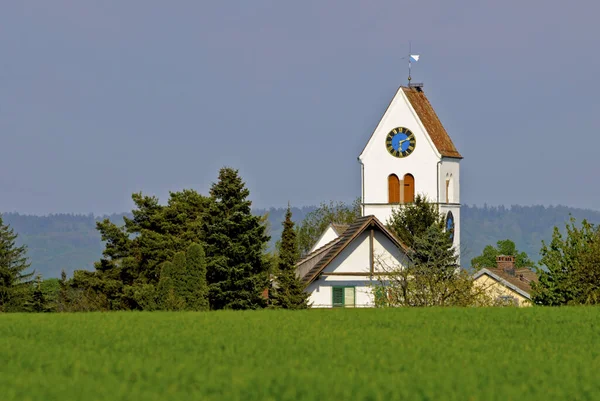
[[430, 276], [569, 267], [315, 222], [504, 247]]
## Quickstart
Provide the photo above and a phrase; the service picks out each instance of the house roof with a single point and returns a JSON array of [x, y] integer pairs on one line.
[[519, 282], [309, 268], [339, 228], [431, 122]]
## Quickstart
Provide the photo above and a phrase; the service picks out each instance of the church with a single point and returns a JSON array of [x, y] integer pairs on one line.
[[408, 153]]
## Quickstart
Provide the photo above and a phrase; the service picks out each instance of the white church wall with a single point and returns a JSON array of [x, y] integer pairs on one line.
[[450, 169], [455, 209], [378, 164]]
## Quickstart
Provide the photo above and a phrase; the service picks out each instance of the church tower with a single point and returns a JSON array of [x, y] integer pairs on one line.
[[411, 153]]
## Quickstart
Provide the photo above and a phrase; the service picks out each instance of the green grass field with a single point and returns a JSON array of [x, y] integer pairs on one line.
[[381, 354]]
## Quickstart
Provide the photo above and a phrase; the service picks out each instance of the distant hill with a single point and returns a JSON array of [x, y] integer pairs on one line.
[[527, 226], [71, 242]]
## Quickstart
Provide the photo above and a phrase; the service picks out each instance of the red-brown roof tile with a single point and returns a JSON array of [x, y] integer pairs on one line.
[[431, 122]]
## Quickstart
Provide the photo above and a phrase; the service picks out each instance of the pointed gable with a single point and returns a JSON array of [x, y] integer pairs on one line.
[[425, 114], [309, 268]]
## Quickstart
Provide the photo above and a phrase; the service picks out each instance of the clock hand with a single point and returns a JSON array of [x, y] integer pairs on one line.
[[401, 142], [404, 140]]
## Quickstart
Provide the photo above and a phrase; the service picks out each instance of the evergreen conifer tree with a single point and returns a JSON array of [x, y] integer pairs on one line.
[[411, 221], [38, 303], [168, 297], [15, 285], [62, 304], [288, 293], [196, 294], [233, 241], [179, 274], [134, 253]]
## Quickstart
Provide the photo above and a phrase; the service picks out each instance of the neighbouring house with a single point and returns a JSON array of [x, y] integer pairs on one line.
[[505, 283], [342, 272]]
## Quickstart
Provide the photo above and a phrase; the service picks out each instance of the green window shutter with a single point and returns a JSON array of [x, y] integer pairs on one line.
[[349, 297], [337, 297]]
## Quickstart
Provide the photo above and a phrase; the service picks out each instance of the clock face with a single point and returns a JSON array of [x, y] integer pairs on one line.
[[450, 225], [400, 142]]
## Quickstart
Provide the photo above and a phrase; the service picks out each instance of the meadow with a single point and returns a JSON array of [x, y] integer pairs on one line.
[[377, 354]]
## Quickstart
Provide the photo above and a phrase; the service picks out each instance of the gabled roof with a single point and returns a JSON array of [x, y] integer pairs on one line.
[[337, 229], [312, 265], [304, 265], [432, 124], [519, 282]]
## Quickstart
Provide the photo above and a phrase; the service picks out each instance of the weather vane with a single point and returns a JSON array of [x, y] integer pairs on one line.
[[411, 58]]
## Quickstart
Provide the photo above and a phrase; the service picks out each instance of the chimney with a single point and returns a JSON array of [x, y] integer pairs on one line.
[[506, 263]]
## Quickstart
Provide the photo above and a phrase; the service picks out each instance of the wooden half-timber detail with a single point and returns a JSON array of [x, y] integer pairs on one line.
[[409, 189], [371, 251], [393, 189]]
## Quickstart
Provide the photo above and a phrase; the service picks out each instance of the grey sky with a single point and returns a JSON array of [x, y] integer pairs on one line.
[[101, 99]]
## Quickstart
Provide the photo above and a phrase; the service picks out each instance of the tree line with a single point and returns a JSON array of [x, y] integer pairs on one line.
[[72, 242], [195, 252], [211, 252]]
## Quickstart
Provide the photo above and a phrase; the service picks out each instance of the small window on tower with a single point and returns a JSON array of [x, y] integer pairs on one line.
[[393, 189], [409, 189], [450, 190]]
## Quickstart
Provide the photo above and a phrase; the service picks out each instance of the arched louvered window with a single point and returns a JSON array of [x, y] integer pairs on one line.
[[393, 189], [409, 189]]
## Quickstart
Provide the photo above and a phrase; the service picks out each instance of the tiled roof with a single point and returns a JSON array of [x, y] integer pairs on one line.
[[522, 278], [304, 265], [310, 267], [431, 122], [339, 228]]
